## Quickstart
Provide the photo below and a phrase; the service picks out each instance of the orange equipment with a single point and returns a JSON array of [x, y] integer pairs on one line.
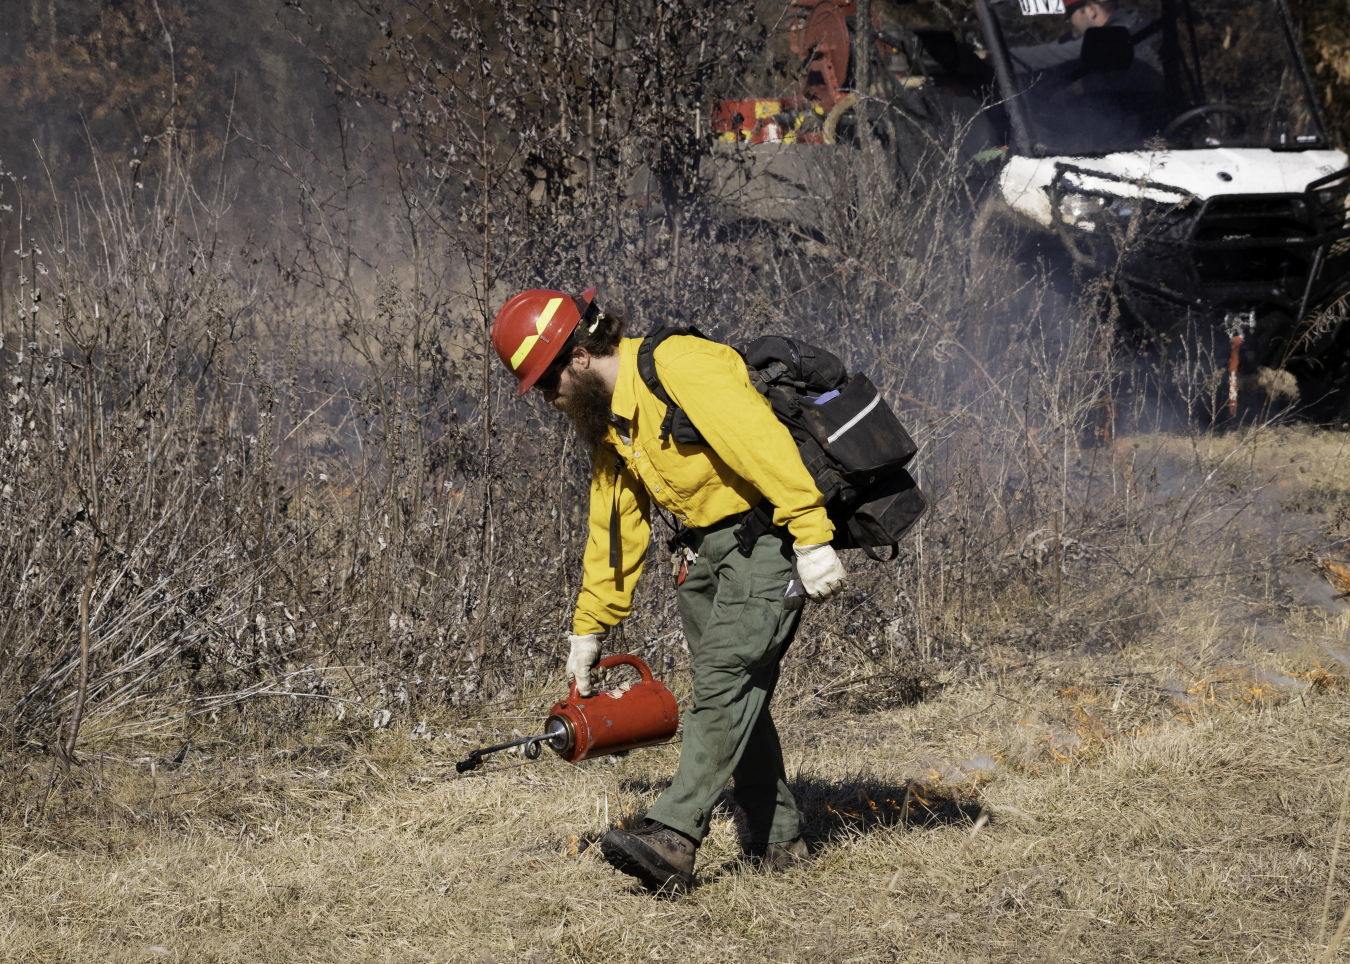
[[759, 120], [612, 721], [532, 327], [822, 41]]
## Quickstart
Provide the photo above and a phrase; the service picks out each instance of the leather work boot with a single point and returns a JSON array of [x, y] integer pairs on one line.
[[662, 858], [784, 856]]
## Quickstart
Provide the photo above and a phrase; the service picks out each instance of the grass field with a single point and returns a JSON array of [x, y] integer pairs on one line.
[[1055, 797]]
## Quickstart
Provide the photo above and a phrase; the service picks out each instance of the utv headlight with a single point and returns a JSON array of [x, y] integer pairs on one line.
[[1332, 196], [1332, 202], [1080, 209]]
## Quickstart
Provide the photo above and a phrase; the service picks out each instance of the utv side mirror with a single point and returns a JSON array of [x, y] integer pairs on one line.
[[1106, 49]]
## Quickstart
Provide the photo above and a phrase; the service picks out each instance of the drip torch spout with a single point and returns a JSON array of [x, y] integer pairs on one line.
[[534, 746]]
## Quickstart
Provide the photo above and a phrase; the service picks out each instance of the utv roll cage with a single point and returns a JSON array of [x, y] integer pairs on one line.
[[1177, 76]]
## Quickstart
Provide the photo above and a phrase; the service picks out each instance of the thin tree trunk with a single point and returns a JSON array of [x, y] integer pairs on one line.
[[590, 102], [485, 161], [862, 52], [863, 46]]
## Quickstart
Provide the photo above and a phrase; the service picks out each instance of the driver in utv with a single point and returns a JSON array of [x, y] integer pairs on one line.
[[739, 611], [1082, 16]]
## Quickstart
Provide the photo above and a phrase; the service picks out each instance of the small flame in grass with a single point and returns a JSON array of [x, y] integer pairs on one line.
[[1338, 575], [1090, 739], [919, 804], [1233, 688], [1087, 738], [1322, 680]]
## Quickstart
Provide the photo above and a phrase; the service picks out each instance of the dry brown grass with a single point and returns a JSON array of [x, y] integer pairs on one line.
[[1180, 840], [1095, 710], [1177, 799]]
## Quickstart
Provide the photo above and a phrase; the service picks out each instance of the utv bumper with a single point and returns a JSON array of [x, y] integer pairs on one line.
[[1222, 253]]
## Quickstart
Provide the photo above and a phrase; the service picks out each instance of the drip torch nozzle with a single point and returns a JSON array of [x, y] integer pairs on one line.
[[556, 737]]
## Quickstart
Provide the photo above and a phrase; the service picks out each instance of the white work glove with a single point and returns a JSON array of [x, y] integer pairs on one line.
[[819, 569], [582, 659]]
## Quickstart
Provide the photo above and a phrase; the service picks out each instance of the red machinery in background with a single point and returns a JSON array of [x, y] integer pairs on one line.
[[761, 120], [822, 40]]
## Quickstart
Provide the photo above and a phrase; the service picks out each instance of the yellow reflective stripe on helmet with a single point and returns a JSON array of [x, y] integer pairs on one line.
[[530, 341]]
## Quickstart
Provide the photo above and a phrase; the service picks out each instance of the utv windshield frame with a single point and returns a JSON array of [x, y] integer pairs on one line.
[[1022, 124]]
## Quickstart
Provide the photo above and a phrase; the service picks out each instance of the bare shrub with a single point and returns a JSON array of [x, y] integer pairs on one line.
[[299, 483]]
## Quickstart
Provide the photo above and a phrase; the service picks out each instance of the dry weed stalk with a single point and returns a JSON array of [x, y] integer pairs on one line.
[[1331, 872]]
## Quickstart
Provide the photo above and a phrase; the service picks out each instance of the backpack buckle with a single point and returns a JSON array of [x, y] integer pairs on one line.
[[754, 524]]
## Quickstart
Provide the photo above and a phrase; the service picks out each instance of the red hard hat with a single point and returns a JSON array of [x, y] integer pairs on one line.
[[532, 327]]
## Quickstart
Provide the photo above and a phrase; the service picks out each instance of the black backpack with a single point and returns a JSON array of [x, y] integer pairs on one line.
[[849, 439]]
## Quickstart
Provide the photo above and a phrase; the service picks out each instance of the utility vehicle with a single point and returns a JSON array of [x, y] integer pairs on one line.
[[1191, 140], [1180, 146]]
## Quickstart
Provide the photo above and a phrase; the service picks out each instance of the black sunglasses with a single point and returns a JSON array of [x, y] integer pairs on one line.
[[548, 382]]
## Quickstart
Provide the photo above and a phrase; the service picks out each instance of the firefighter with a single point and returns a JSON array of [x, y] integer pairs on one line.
[[740, 610]]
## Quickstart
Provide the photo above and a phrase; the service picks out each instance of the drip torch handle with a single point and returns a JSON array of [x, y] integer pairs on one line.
[[618, 659]]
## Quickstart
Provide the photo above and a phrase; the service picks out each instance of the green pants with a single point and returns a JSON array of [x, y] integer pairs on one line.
[[737, 621]]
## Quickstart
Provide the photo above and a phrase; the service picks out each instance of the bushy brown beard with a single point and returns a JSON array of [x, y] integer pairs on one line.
[[587, 406]]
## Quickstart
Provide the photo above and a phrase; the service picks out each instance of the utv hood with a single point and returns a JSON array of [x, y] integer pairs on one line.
[[1166, 176]]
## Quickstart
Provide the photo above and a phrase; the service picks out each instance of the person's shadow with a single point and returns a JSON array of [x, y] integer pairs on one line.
[[837, 811], [832, 813]]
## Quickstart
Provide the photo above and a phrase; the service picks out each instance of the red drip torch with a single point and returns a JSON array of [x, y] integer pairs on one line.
[[579, 728]]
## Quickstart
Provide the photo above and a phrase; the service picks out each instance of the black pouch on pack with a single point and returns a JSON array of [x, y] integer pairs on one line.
[[858, 430], [883, 515]]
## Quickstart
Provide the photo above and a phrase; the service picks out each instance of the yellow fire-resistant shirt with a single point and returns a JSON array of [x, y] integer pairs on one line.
[[751, 455]]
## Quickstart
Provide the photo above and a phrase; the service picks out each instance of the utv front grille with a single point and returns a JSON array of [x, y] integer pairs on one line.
[[1237, 250], [1265, 241]]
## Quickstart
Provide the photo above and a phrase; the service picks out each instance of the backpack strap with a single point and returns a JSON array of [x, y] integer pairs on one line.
[[754, 524], [614, 517], [646, 362], [895, 551], [861, 539]]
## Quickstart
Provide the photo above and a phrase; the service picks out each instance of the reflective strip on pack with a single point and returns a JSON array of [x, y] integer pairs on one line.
[[856, 418]]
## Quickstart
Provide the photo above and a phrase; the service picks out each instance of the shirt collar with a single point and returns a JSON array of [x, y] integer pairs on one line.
[[624, 402]]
